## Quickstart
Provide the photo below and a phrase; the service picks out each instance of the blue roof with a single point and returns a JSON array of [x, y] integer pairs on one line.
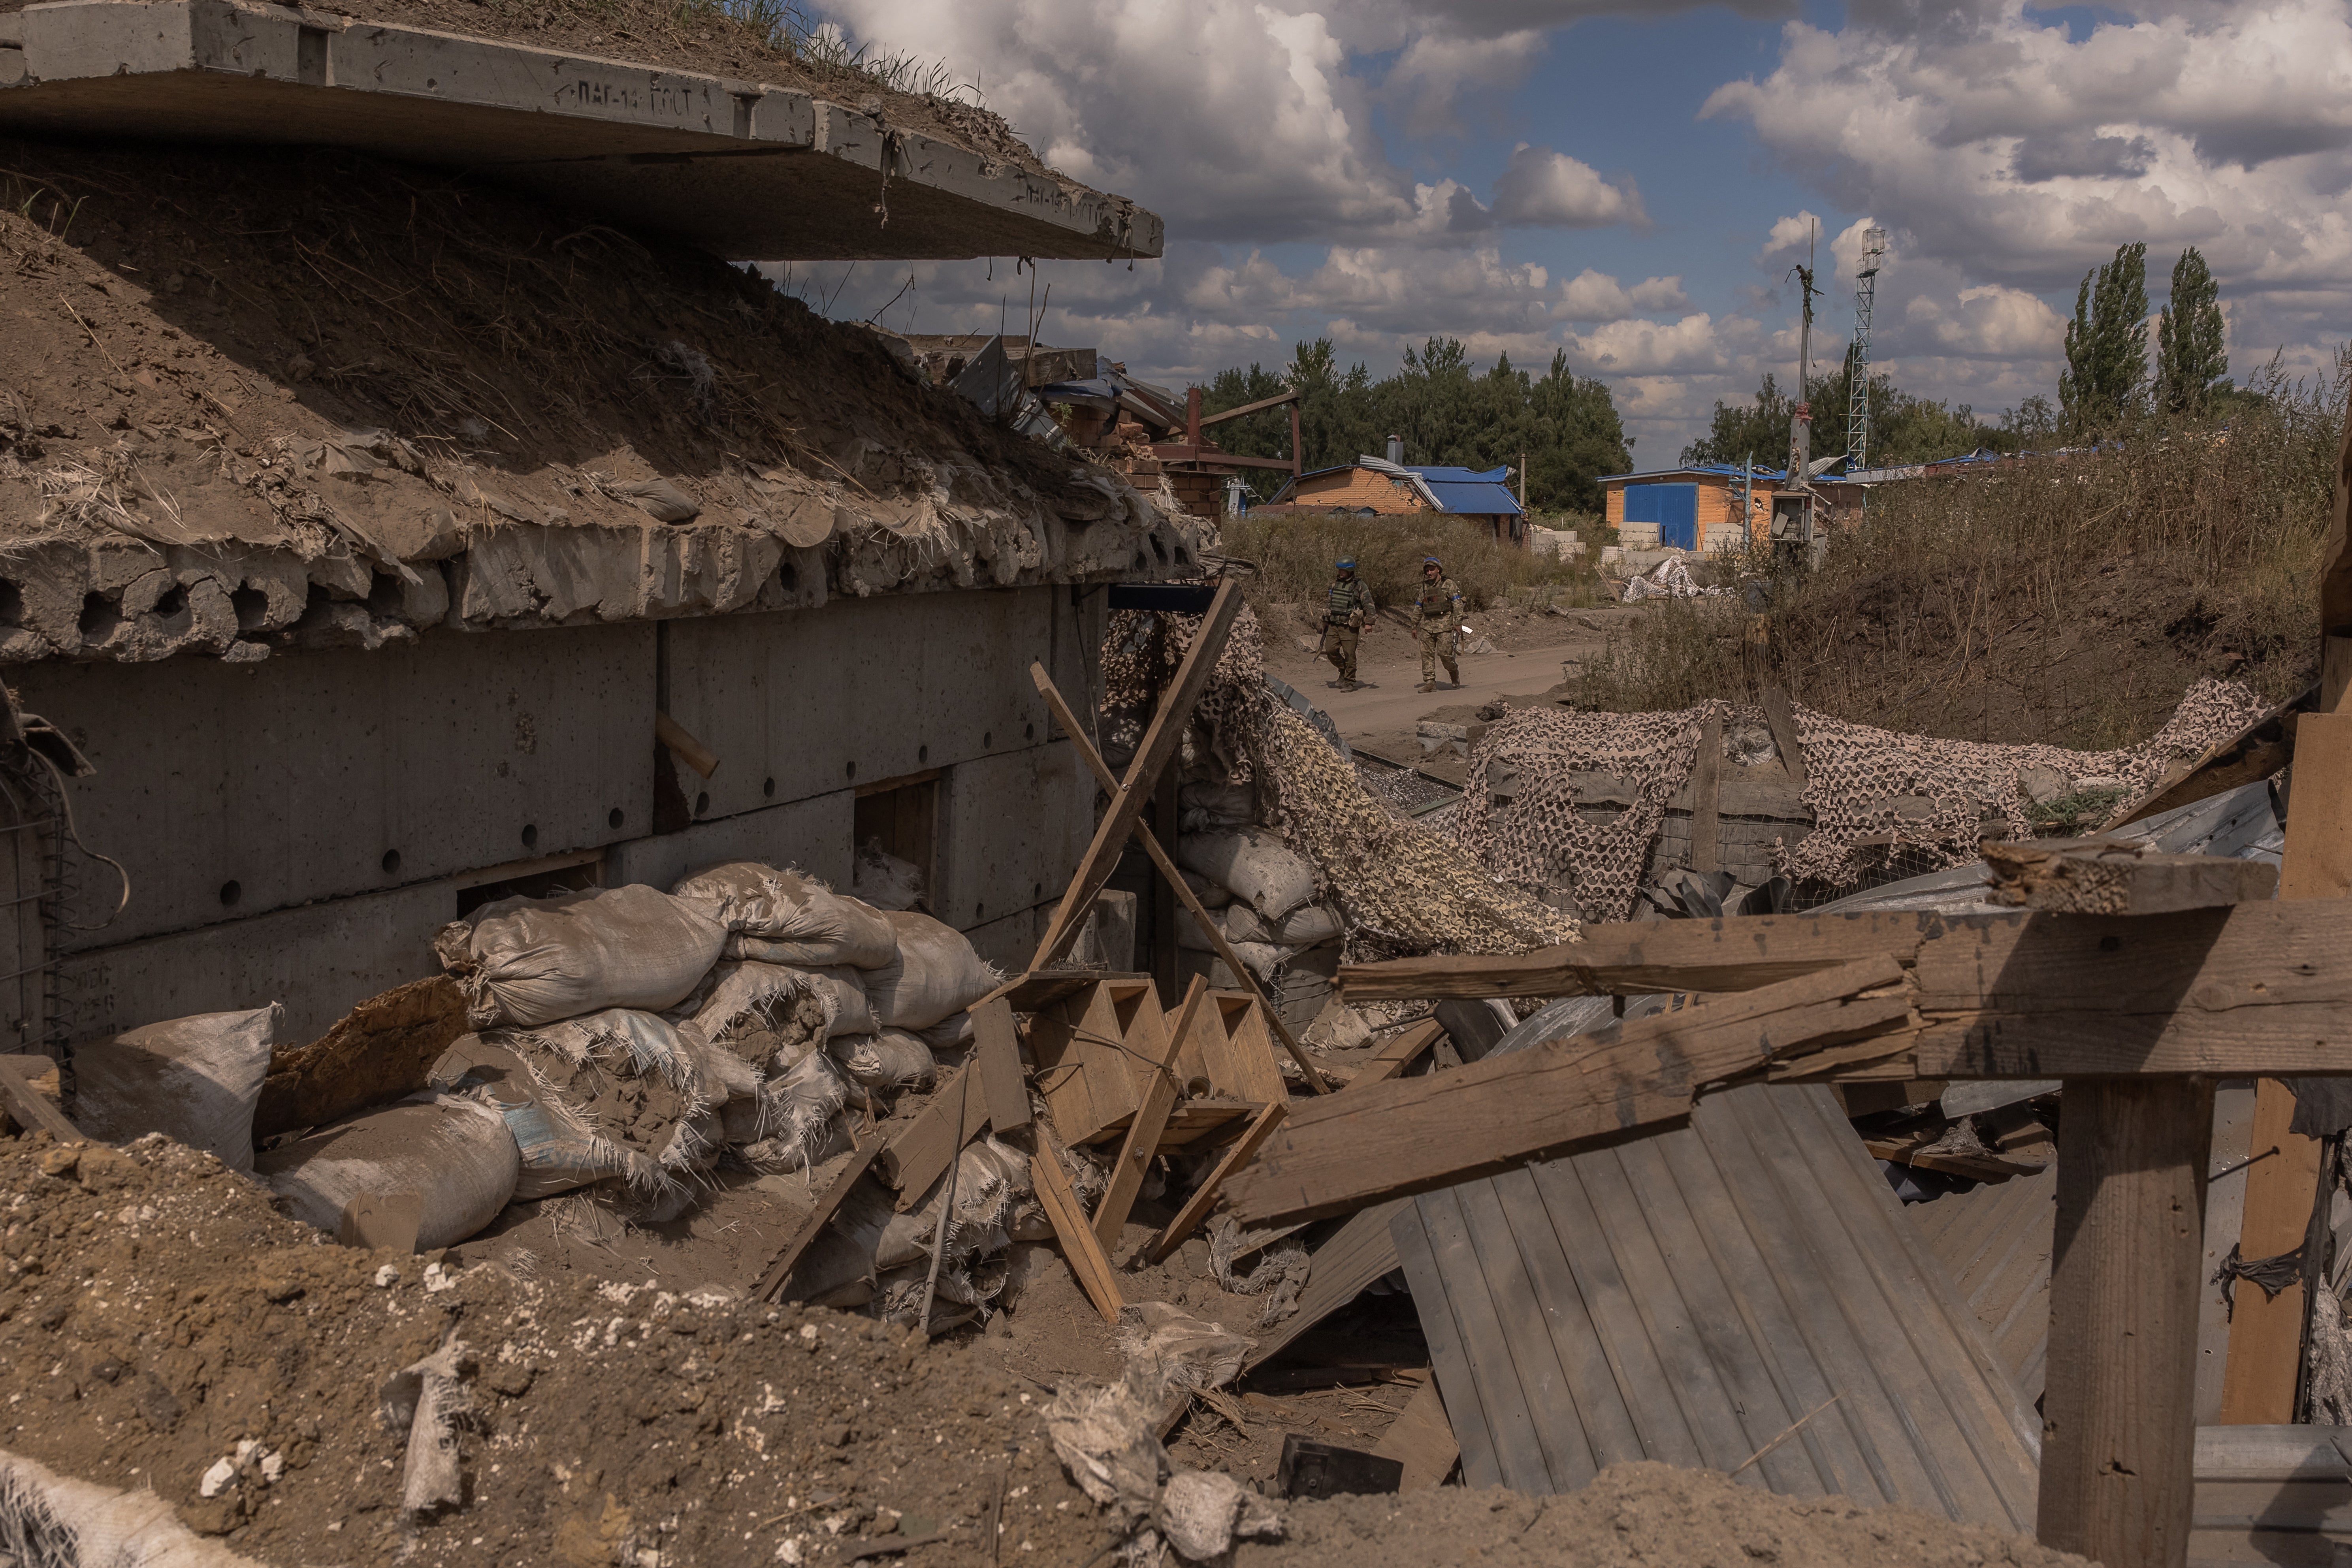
[[1731, 471], [1481, 496]]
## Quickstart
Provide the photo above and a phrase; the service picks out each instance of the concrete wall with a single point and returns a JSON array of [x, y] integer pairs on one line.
[[294, 777]]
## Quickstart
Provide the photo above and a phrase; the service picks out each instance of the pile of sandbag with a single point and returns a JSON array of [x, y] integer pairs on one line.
[[1261, 892], [625, 1041]]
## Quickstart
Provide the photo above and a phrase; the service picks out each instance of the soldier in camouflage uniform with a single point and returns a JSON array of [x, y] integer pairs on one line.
[[1343, 623], [1437, 616]]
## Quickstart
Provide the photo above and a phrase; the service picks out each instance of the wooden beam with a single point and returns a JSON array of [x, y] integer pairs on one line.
[[1738, 952], [2258, 1375], [2119, 1416], [1422, 1439], [27, 1106], [1151, 758], [1399, 1054], [1204, 1197], [778, 1276], [1782, 719], [1085, 1253], [996, 1053], [1408, 1136], [2261, 749], [2101, 877], [924, 1148], [1262, 405], [1175, 877], [1142, 1141], [2260, 988], [1707, 821]]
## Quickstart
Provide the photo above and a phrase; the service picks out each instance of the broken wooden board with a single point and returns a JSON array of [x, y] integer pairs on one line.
[[1153, 756], [922, 1150], [1079, 1247], [1782, 719], [381, 1050], [1983, 1167], [1399, 1054], [26, 1106], [996, 1054], [778, 1276], [1040, 989], [2101, 877], [1408, 1136], [1736, 953], [1422, 1439], [1136, 1151], [1204, 1197]]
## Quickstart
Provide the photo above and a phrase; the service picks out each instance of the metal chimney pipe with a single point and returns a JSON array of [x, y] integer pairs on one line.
[[1396, 449]]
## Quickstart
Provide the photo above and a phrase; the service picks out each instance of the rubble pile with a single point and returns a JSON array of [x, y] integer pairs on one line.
[[461, 410]]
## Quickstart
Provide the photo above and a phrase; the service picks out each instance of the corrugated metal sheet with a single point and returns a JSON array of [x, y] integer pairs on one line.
[[1994, 1242], [1692, 1296]]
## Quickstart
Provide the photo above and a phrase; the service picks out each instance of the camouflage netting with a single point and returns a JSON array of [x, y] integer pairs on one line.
[[1400, 886], [1876, 796]]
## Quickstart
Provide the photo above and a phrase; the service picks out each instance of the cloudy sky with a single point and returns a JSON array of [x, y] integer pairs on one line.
[[1630, 181]]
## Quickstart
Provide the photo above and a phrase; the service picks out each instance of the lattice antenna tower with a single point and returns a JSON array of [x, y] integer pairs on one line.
[[1857, 419]]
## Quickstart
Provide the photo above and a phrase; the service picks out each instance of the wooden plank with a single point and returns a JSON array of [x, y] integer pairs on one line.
[[1135, 1155], [2255, 752], [1084, 1253], [1782, 719], [1738, 952], [2119, 1422], [773, 1283], [1174, 877], [1399, 1054], [1512, 1416], [1196, 1207], [1082, 1069], [29, 1107], [2258, 988], [1706, 773], [2266, 1331], [1245, 1057], [921, 1153], [2101, 877], [1040, 989], [1496, 1214], [1409, 1136], [1153, 757], [1975, 1167], [2225, 1208], [1465, 1414], [996, 1052], [1421, 1439], [1188, 1123], [1355, 1255]]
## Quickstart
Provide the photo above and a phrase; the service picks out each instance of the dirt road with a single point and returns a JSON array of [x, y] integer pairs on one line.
[[1381, 715]]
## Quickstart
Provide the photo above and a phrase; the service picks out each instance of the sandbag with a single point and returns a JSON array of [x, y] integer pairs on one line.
[[456, 1154], [1192, 937], [527, 962], [936, 973], [1304, 926], [954, 1033], [777, 997], [1254, 864], [195, 1080], [801, 1116], [856, 933], [62, 1522], [893, 1059], [559, 1150], [883, 880], [1212, 896]]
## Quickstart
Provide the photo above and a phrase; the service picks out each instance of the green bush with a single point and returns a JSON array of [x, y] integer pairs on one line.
[[1294, 556]]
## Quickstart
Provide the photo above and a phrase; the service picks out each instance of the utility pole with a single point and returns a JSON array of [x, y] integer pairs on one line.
[[1793, 540]]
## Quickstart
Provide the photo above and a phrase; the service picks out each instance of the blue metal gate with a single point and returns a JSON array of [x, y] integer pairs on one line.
[[1674, 507]]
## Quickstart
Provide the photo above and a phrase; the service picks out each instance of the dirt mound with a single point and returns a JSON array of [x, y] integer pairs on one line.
[[157, 1317], [1635, 1513], [317, 400]]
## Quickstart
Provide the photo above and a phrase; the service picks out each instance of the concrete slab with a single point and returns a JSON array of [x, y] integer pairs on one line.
[[746, 170]]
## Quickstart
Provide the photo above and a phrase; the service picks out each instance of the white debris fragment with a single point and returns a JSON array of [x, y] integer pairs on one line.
[[387, 1276], [217, 1478]]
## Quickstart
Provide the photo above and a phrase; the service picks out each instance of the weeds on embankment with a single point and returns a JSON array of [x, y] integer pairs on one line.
[[1294, 556], [2069, 598]]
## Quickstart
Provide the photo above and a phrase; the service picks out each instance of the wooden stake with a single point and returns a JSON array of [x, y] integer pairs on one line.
[[1196, 1207], [1142, 1143], [2119, 1421], [1069, 1221], [1183, 890], [1706, 823], [1783, 722], [780, 1273], [1159, 748]]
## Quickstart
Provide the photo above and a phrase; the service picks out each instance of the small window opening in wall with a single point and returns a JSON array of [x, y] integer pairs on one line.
[[230, 893], [615, 818], [391, 861], [531, 836], [531, 880], [898, 817]]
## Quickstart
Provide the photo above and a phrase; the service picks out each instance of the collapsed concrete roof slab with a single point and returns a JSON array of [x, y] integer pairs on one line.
[[743, 169]]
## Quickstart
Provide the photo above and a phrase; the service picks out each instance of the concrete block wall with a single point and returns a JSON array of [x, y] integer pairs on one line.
[[351, 797]]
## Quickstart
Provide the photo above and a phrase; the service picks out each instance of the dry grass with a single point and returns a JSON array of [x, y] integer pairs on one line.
[[2069, 598], [1293, 557]]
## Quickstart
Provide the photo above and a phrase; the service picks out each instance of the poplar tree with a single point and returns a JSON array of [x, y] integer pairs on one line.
[[2107, 343], [2192, 359]]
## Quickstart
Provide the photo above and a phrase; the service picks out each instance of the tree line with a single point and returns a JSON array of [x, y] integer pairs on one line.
[[1563, 425], [2107, 382]]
